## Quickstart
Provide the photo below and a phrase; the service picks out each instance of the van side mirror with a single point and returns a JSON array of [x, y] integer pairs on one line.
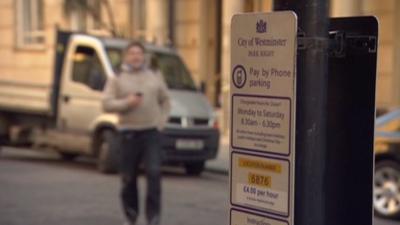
[[203, 87]]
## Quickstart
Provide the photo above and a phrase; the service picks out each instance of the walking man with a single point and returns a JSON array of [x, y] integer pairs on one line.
[[140, 98]]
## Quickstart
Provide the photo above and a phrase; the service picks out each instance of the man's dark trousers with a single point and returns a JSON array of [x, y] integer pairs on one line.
[[141, 147]]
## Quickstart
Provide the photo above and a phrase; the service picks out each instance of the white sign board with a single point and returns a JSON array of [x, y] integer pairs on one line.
[[263, 102], [239, 217]]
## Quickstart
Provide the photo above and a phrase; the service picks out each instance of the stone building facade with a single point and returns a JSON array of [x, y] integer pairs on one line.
[[198, 29]]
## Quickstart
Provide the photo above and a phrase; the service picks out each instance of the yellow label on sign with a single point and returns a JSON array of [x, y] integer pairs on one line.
[[262, 165], [260, 180], [266, 189]]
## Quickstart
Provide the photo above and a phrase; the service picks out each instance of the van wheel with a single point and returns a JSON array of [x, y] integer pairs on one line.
[[4, 140], [387, 189], [68, 156], [4, 131], [107, 161], [194, 168]]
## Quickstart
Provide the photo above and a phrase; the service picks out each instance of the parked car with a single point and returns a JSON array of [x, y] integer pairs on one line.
[[387, 165], [64, 110]]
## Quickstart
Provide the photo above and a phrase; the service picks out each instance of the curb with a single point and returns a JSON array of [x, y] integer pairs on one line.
[[217, 170]]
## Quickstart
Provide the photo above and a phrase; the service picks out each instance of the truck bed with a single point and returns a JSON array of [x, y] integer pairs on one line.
[[28, 95], [25, 96]]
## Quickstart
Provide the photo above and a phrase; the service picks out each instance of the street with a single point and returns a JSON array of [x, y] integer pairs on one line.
[[37, 188]]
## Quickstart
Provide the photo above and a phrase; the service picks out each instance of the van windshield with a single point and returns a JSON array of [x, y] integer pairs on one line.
[[175, 73]]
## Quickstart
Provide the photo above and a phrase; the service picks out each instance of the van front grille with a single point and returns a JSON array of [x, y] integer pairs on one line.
[[200, 122], [175, 120], [188, 122]]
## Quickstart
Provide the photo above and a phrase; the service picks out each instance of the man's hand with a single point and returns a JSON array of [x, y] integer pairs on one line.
[[134, 100]]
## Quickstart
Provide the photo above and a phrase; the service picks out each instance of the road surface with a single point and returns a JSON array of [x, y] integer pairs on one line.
[[37, 188]]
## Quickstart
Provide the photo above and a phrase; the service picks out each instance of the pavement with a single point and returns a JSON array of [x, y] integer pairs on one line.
[[38, 188], [221, 163]]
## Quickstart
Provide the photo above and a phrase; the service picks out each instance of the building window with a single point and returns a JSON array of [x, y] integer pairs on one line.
[[78, 20], [30, 23], [84, 15], [94, 21]]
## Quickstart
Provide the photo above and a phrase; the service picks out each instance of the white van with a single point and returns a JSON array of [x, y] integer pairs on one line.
[[68, 115]]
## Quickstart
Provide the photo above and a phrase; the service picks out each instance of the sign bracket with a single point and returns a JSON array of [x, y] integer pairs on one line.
[[338, 43]]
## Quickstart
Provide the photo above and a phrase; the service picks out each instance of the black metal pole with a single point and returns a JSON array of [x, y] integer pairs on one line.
[[311, 139]]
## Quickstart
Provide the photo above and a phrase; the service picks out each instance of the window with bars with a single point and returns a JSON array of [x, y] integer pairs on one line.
[[30, 23], [85, 15], [94, 21]]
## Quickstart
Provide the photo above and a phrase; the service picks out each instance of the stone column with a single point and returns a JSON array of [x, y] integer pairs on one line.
[[203, 40], [396, 49], [156, 21], [230, 7], [346, 8], [207, 49]]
